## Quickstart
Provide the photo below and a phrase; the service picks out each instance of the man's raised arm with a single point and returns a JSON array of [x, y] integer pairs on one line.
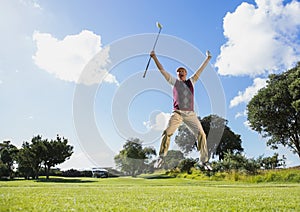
[[202, 67], [159, 66]]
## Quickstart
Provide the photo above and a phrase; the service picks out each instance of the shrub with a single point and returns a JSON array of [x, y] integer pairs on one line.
[[187, 164]]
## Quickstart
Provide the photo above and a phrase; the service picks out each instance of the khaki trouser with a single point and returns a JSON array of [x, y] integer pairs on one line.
[[193, 123]]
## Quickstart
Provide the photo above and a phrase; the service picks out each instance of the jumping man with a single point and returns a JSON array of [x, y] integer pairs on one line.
[[183, 110]]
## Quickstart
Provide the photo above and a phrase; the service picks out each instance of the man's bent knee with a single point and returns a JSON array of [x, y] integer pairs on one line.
[[165, 133]]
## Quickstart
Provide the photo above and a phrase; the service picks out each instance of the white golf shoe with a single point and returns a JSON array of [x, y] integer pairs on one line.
[[204, 165], [158, 163], [207, 166]]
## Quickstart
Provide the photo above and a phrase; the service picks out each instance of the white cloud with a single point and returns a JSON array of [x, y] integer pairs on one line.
[[261, 39], [158, 122], [240, 114], [67, 58], [36, 5], [247, 125], [31, 3], [246, 96]]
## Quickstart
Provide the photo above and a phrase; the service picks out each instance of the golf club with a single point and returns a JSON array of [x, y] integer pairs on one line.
[[160, 27]]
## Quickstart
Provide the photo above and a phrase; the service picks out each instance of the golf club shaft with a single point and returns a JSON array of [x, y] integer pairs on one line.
[[150, 56], [147, 67], [156, 39]]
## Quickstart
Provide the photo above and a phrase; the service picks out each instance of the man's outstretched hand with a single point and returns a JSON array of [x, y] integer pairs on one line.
[[152, 53]]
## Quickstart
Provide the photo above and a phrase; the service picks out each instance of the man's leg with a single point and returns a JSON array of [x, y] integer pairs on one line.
[[193, 123], [202, 146], [174, 122]]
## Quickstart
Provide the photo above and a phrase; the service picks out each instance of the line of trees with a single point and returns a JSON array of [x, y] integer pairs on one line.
[[133, 161], [33, 156], [273, 112]]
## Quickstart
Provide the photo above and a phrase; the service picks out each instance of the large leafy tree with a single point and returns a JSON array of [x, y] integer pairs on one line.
[[30, 157], [133, 158], [41, 152], [57, 152], [229, 142], [8, 154], [217, 146], [28, 164], [274, 110]]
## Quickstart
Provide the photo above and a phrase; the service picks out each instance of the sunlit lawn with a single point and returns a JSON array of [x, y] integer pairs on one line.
[[137, 194]]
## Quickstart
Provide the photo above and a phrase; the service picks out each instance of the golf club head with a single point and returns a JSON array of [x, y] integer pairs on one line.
[[208, 54], [158, 25]]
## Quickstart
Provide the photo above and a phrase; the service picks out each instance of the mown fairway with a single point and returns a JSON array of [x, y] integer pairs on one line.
[[137, 194]]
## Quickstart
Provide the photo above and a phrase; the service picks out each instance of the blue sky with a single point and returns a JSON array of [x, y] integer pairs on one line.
[[75, 68]]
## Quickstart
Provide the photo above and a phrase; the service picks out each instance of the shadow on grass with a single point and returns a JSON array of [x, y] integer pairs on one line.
[[7, 179], [156, 176], [63, 180]]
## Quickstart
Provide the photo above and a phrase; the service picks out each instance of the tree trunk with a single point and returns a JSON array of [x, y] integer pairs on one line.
[[47, 168], [298, 147], [36, 174]]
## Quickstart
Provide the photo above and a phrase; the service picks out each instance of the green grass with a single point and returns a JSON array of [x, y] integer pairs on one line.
[[141, 194]]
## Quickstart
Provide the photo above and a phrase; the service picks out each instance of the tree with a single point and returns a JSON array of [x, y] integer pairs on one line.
[[229, 142], [3, 170], [274, 110], [133, 159], [41, 152], [30, 157], [271, 162], [25, 161], [8, 154], [57, 152]]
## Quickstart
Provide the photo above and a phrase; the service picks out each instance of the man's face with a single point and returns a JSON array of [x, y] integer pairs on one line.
[[181, 74]]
